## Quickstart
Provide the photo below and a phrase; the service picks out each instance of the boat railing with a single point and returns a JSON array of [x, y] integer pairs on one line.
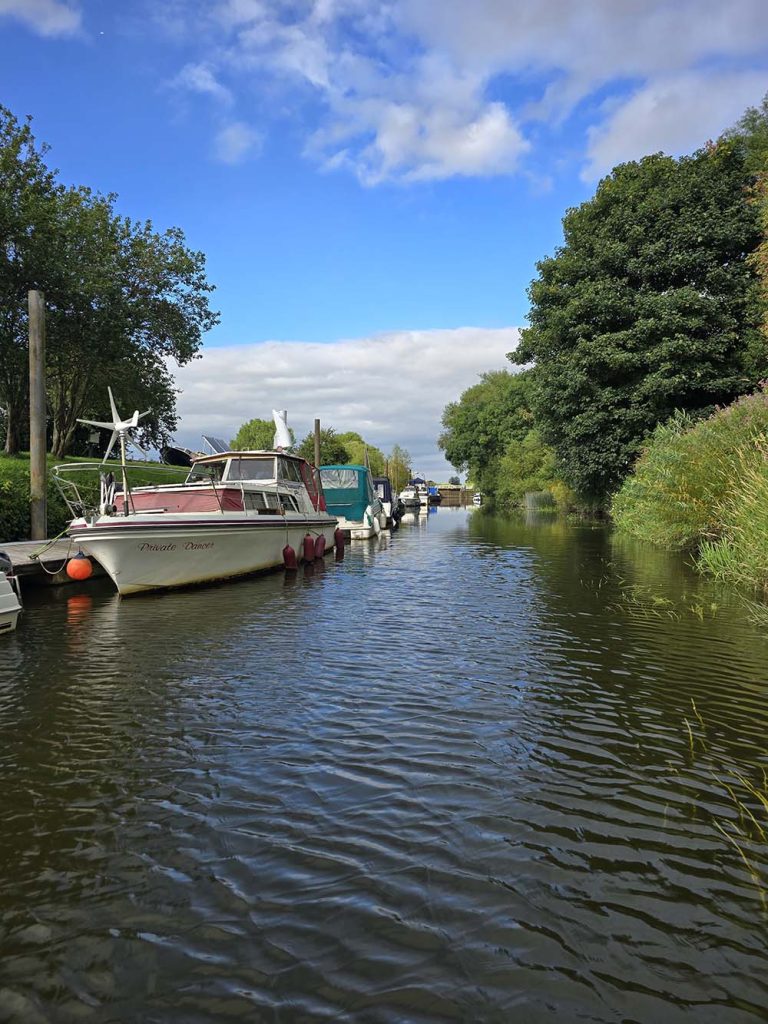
[[90, 488]]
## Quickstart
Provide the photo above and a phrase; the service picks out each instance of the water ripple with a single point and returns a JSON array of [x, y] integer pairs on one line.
[[458, 776]]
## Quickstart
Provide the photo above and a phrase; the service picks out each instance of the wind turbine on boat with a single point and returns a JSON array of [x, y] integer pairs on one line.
[[119, 430]]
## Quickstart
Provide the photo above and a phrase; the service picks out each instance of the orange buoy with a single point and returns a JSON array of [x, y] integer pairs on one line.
[[309, 548], [289, 557], [79, 567], [320, 546]]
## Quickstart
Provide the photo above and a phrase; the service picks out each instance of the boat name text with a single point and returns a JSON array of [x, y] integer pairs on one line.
[[189, 545]]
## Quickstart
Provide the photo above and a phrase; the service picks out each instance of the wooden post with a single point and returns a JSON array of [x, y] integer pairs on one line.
[[317, 442], [37, 418]]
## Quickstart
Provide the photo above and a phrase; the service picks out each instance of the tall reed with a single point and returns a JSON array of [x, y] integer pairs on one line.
[[690, 473]]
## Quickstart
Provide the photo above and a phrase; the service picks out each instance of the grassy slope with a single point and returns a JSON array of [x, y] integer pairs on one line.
[[14, 491]]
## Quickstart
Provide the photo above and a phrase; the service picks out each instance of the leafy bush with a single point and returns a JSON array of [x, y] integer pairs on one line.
[[528, 466], [687, 472], [14, 493], [14, 501]]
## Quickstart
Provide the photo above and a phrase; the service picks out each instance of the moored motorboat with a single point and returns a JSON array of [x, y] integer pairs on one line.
[[10, 602], [409, 496], [236, 513], [391, 504], [350, 496]]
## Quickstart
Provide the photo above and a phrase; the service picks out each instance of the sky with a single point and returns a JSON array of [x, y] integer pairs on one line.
[[372, 181]]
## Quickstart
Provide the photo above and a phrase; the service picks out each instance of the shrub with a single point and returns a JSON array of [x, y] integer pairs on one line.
[[14, 493], [687, 470], [14, 502]]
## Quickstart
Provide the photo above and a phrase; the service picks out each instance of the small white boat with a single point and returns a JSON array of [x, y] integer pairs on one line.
[[410, 497], [477, 499], [10, 604]]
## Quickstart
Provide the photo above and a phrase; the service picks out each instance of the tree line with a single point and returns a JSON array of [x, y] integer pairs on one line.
[[122, 299], [345, 449], [654, 304]]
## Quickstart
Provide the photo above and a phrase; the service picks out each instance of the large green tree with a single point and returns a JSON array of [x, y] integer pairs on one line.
[[122, 300], [478, 428], [256, 435], [27, 190], [358, 450], [751, 133], [332, 450], [650, 305]]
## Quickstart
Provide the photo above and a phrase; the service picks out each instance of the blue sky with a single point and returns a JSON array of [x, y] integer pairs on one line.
[[361, 173]]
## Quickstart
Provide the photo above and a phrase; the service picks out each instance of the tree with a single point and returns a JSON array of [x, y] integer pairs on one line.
[[332, 451], [255, 435], [649, 306], [478, 428], [399, 468], [122, 300], [358, 450], [27, 189], [751, 133], [454, 481]]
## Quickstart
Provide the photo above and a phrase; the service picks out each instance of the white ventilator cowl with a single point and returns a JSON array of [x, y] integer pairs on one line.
[[282, 433]]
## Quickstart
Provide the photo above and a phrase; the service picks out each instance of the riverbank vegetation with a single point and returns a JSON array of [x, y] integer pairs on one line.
[[639, 383], [14, 491]]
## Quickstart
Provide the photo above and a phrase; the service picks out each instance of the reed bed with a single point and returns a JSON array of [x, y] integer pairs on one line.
[[703, 486]]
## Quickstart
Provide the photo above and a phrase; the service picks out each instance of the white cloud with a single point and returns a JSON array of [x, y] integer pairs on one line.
[[391, 388], [415, 90], [672, 115], [46, 17], [235, 141], [200, 78]]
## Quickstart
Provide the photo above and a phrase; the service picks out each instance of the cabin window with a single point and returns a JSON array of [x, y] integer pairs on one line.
[[346, 478], [205, 471], [289, 502], [289, 470], [262, 501], [251, 469]]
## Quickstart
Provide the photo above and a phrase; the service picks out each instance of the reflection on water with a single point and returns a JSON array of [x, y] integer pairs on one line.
[[448, 778]]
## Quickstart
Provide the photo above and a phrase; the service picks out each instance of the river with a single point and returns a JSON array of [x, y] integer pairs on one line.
[[476, 772]]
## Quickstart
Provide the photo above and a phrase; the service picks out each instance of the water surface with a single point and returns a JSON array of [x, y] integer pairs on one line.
[[457, 777]]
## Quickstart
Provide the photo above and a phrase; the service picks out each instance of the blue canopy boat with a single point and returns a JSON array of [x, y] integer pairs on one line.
[[350, 496]]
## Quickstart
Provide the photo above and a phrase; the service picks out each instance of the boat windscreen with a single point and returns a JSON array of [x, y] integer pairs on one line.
[[205, 471], [251, 469]]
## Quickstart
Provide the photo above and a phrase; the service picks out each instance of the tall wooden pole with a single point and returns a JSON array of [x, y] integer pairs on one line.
[[317, 442], [37, 418]]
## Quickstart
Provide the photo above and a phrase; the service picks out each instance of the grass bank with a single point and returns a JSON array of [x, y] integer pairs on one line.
[[703, 487], [14, 492]]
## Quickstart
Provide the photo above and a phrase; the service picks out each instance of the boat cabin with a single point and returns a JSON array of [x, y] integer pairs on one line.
[[383, 487], [348, 491], [261, 482]]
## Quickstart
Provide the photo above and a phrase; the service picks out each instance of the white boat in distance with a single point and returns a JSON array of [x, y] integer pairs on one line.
[[410, 497], [233, 515]]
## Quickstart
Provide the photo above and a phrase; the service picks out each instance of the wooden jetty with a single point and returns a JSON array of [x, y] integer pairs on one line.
[[44, 563]]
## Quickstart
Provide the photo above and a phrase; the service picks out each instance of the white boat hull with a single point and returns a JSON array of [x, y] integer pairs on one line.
[[10, 606], [141, 556]]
